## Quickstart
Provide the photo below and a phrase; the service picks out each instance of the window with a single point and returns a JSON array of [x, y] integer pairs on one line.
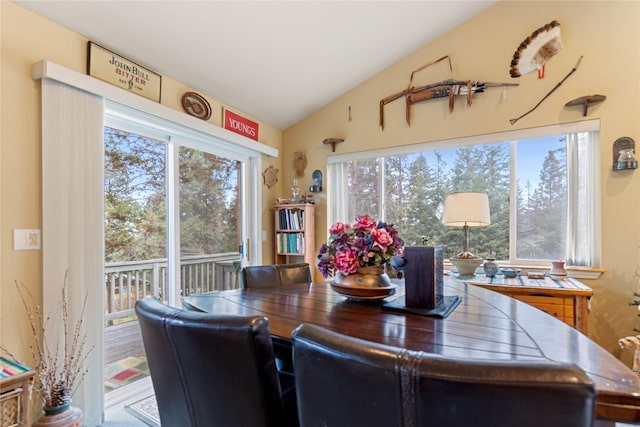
[[542, 186]]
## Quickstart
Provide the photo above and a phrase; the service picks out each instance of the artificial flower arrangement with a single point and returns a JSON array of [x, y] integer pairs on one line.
[[367, 243]]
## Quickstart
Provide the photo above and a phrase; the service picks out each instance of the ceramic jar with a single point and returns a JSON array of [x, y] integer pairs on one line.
[[490, 267], [62, 416], [557, 270]]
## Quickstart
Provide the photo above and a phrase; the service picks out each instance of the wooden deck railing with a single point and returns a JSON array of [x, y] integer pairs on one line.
[[127, 282]]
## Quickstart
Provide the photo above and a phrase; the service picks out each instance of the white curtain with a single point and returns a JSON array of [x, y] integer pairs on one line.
[[583, 195], [336, 194], [73, 225]]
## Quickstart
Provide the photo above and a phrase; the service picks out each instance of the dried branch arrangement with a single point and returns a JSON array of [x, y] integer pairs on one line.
[[59, 370]]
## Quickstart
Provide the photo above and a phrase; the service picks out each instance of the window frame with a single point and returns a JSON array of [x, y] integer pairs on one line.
[[335, 177]]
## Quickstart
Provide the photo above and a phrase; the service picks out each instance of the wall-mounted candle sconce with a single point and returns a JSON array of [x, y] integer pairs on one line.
[[316, 182], [333, 142], [624, 154]]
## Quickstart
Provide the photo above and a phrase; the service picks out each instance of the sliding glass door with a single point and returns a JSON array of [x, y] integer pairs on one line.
[[174, 226]]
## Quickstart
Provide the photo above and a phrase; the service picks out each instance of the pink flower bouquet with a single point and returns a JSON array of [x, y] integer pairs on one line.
[[366, 243]]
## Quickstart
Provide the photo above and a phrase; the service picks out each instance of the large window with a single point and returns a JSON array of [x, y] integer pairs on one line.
[[542, 186]]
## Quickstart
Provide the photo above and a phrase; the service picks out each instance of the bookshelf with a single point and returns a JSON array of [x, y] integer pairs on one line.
[[295, 235]]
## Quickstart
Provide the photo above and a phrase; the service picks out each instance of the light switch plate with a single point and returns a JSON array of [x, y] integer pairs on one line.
[[25, 240]]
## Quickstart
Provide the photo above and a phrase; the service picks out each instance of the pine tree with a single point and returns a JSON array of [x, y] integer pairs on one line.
[[135, 210], [543, 233]]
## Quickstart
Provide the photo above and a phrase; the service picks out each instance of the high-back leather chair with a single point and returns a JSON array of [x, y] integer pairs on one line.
[[344, 381], [274, 275], [211, 370], [294, 274]]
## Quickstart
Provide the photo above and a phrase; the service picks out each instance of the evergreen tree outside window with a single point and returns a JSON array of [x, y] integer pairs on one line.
[[135, 197], [209, 203]]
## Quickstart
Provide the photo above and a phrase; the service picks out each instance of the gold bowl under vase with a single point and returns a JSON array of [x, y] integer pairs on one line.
[[364, 286]]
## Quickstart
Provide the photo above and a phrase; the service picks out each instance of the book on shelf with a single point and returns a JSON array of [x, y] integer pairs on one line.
[[291, 243], [291, 219]]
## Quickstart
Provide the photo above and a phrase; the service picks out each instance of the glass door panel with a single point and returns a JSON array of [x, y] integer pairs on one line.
[[210, 212], [135, 247]]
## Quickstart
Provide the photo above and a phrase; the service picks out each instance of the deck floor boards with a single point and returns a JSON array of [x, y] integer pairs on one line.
[[122, 341]]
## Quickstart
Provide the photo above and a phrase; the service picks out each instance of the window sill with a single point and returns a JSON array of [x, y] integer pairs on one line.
[[581, 273]]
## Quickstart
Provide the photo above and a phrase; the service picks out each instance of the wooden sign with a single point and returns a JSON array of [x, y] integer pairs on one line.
[[240, 125], [118, 71]]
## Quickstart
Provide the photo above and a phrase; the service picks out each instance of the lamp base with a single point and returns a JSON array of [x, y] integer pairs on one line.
[[466, 266], [465, 255]]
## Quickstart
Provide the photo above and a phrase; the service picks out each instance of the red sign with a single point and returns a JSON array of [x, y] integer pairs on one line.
[[241, 125]]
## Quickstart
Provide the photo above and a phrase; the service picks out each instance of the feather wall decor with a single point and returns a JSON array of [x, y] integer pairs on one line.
[[535, 50]]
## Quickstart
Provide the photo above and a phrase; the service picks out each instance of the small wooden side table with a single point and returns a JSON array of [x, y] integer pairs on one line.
[[15, 393], [566, 299]]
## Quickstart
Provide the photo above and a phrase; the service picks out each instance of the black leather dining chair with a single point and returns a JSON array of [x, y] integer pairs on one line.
[[294, 274], [344, 381], [274, 276], [213, 370]]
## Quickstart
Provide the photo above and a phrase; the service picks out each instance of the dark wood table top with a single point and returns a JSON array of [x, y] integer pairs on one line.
[[486, 324]]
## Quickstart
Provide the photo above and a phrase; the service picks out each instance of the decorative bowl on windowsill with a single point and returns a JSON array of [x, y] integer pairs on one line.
[[510, 273]]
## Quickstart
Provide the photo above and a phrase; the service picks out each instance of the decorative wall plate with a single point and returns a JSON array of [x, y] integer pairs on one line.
[[270, 176], [195, 104]]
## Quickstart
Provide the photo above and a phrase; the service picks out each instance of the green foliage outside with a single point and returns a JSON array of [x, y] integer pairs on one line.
[[414, 189], [135, 200]]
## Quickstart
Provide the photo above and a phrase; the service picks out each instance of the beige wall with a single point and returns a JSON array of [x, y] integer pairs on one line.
[[26, 39], [606, 33]]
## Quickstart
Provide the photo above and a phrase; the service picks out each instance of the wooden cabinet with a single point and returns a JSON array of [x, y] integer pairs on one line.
[[567, 299], [295, 234], [15, 393]]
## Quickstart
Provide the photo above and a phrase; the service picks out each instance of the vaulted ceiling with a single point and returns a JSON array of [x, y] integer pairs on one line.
[[278, 61]]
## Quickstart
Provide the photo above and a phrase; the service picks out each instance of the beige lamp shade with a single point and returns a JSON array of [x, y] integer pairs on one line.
[[466, 210], [470, 209]]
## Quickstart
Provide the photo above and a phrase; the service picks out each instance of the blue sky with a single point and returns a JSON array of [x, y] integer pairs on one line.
[[531, 155]]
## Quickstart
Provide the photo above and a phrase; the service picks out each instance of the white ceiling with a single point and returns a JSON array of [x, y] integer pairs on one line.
[[278, 61]]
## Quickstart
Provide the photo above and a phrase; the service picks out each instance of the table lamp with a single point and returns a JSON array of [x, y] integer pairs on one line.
[[466, 210]]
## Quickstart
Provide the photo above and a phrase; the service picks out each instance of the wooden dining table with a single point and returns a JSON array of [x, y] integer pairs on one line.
[[485, 325]]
